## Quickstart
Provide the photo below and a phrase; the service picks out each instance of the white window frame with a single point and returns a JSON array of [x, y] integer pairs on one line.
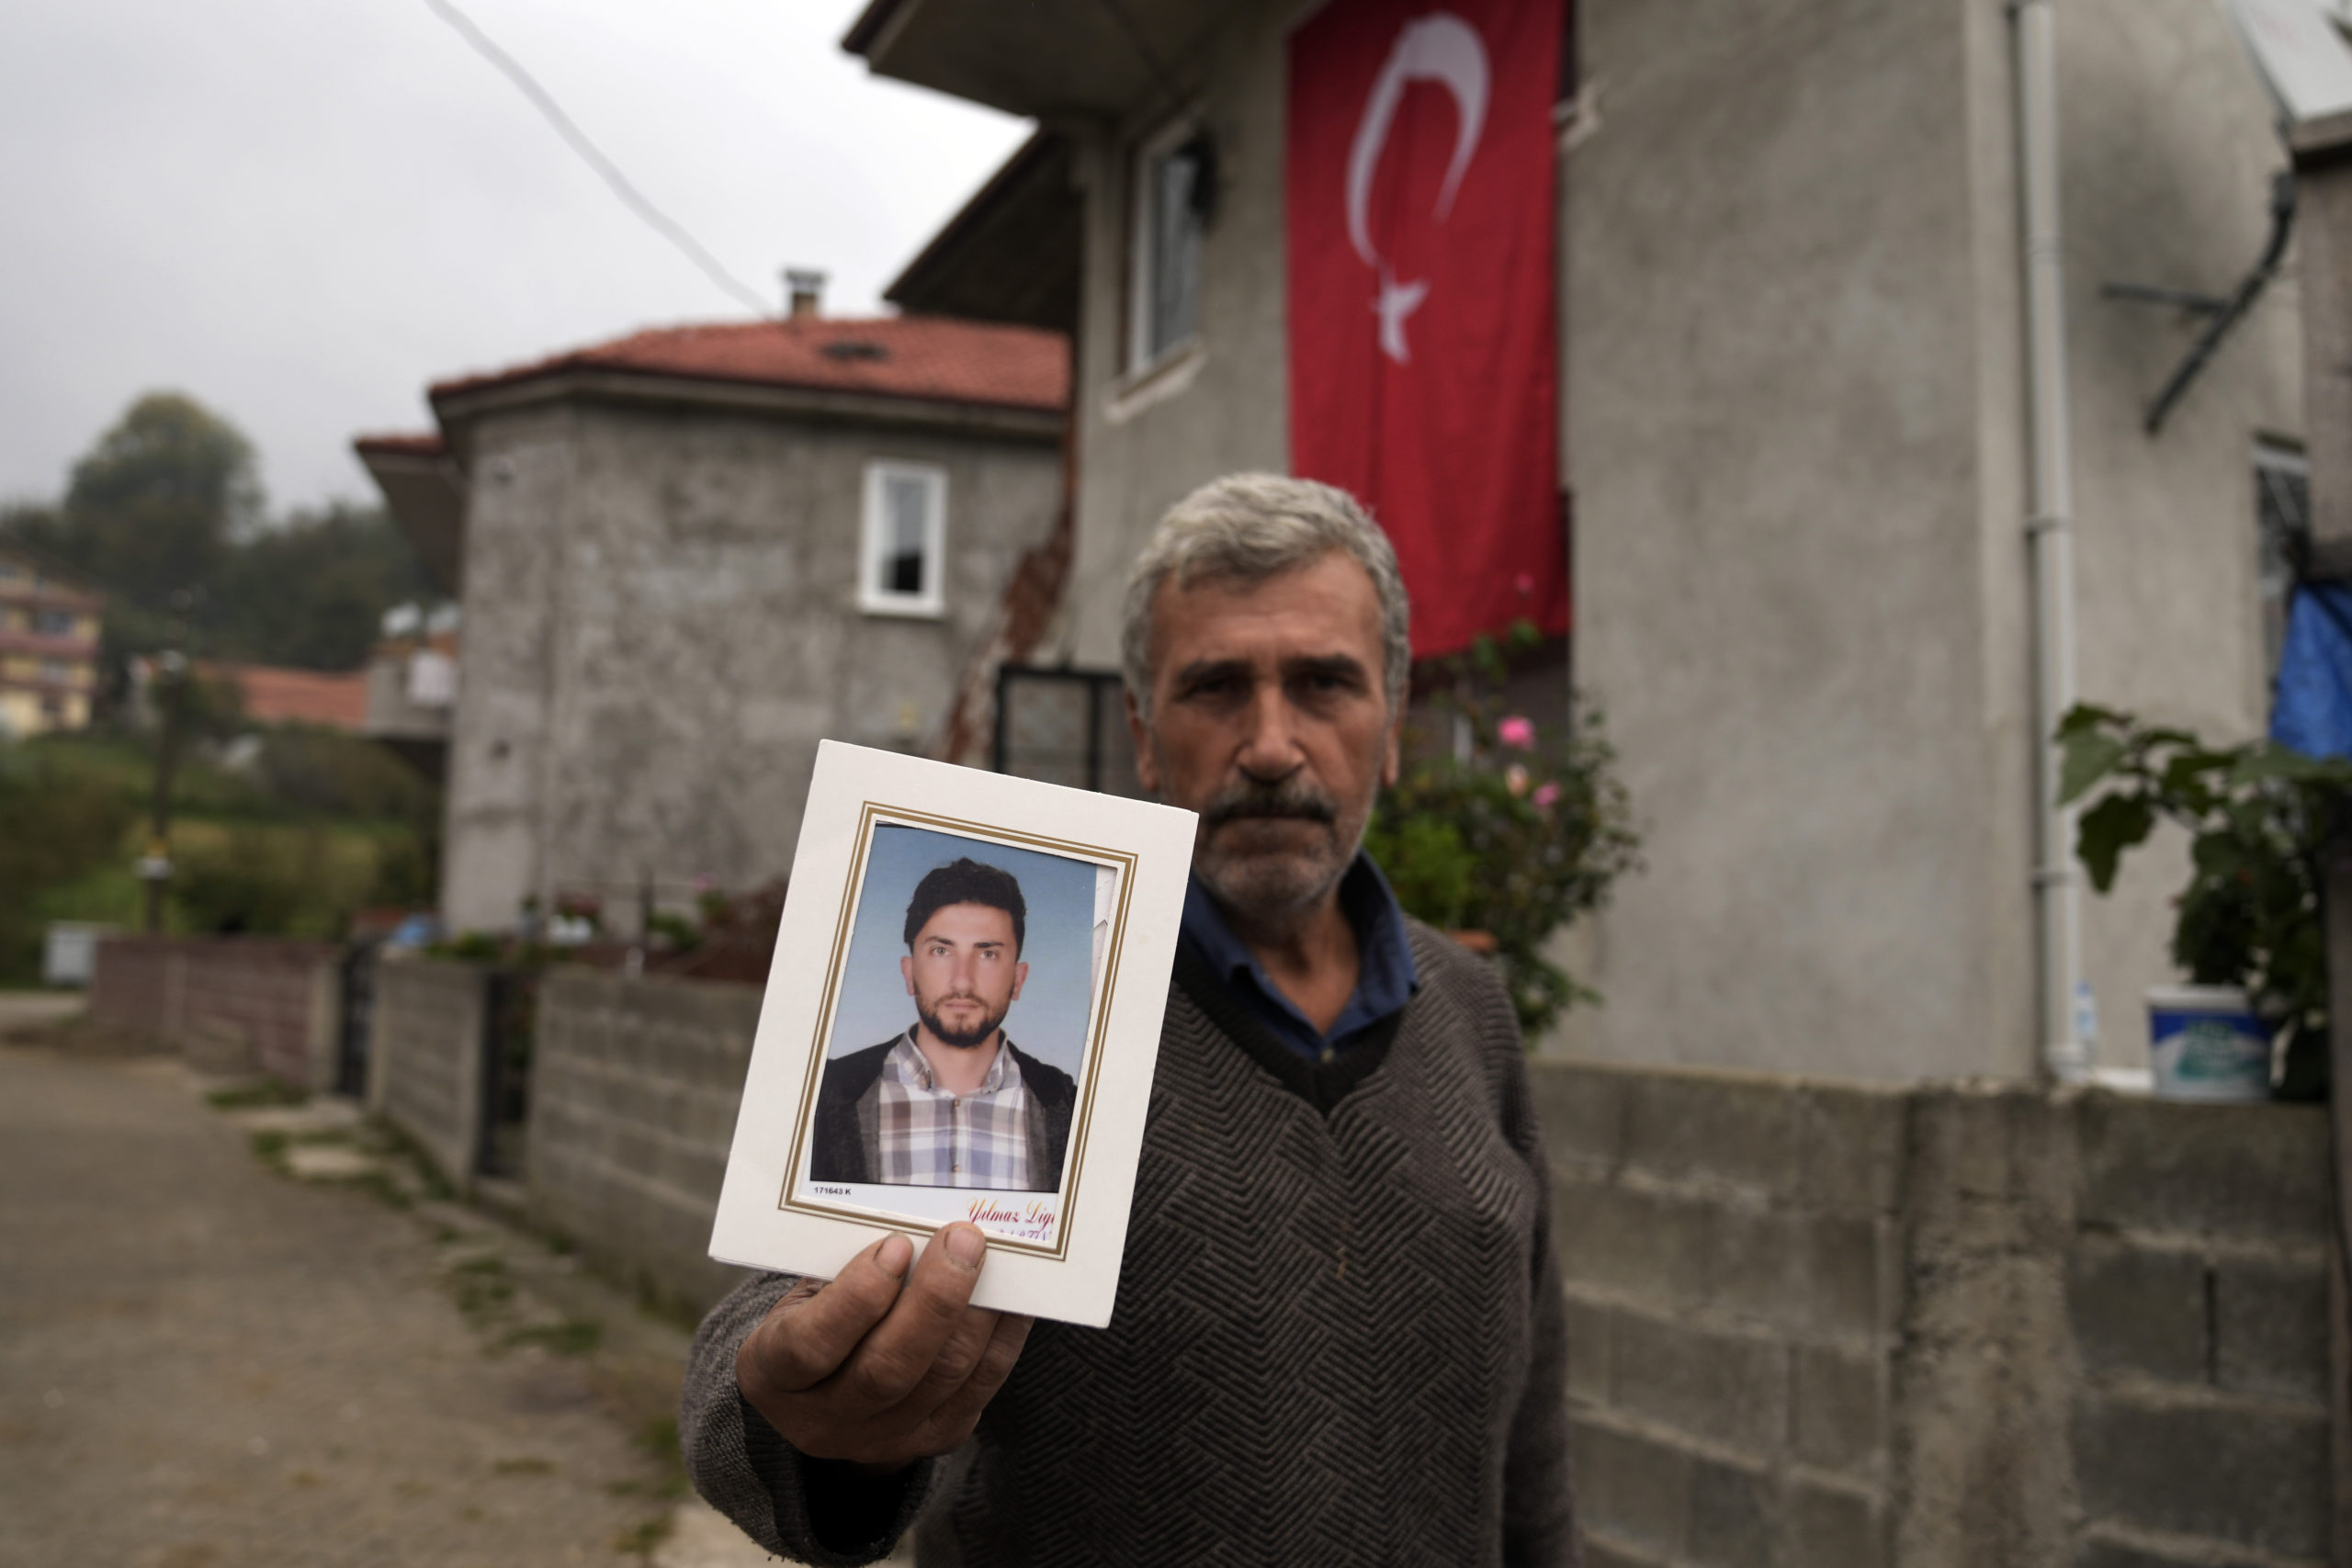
[[873, 540], [1141, 354]]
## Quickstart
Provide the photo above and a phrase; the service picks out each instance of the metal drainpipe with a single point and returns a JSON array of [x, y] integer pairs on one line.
[[2049, 532]]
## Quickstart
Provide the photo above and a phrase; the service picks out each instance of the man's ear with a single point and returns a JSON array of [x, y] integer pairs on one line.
[[907, 972], [1019, 978], [1391, 762], [1147, 766]]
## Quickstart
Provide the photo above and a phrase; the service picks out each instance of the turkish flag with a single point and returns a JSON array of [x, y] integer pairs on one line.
[[1422, 358]]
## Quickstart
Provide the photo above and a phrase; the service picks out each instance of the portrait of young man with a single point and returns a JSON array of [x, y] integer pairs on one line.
[[951, 1102], [1339, 1338]]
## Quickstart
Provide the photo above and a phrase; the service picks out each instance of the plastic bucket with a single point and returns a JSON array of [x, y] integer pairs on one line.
[[2205, 1042]]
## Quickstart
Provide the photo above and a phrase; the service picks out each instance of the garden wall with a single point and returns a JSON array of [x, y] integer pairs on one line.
[[232, 1004], [1826, 1325], [424, 1062], [634, 1087]]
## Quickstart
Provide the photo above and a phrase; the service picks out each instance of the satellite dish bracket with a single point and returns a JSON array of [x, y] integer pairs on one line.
[[2221, 313]]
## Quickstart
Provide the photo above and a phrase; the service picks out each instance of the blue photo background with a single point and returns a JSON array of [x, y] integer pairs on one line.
[[1048, 1022]]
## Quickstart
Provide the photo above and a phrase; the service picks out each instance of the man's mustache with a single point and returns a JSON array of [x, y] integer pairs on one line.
[[1294, 802]]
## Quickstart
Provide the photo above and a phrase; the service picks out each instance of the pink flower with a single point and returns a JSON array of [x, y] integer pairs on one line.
[[1525, 583], [1545, 795], [1515, 779], [1517, 732]]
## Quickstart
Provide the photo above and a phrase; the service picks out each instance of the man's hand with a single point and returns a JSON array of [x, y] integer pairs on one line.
[[881, 1367]]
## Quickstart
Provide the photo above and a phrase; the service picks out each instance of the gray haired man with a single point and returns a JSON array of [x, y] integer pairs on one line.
[[1339, 1331]]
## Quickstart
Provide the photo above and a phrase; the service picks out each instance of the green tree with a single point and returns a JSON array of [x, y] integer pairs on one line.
[[311, 591], [156, 505]]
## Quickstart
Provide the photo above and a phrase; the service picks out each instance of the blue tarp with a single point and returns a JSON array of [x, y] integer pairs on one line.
[[2312, 710]]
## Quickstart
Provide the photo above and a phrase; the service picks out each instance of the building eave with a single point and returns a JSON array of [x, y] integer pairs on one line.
[[645, 388], [1055, 60], [1014, 254]]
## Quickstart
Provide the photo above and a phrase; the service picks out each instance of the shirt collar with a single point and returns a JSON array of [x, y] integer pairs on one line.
[[1387, 977], [911, 1066]]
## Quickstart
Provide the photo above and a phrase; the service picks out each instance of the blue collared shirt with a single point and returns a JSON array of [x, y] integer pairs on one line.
[[1385, 982]]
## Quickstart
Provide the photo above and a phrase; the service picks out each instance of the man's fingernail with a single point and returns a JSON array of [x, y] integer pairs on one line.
[[894, 1254], [966, 1247]]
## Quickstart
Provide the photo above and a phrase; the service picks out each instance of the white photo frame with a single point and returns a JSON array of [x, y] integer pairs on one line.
[[1103, 878]]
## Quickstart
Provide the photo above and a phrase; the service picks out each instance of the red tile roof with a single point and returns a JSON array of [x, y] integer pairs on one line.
[[903, 356], [273, 695]]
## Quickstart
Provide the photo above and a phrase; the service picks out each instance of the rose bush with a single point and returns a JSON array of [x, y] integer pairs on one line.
[[1506, 828]]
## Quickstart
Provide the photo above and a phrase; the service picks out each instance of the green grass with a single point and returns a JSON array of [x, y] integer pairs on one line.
[[255, 1096]]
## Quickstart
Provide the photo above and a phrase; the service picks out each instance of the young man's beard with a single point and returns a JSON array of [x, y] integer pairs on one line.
[[962, 1039]]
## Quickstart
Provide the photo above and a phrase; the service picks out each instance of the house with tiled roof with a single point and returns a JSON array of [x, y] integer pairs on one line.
[[686, 556]]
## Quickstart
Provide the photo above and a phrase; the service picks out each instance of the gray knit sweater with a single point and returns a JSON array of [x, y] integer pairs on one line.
[[1338, 1336]]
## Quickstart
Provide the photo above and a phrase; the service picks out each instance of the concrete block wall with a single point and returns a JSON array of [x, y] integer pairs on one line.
[[634, 1085], [1732, 1257], [2197, 1294], [1837, 1326], [424, 1062], [232, 1004]]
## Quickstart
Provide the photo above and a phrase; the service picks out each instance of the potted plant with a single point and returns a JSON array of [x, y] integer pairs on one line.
[[1502, 833], [2259, 818]]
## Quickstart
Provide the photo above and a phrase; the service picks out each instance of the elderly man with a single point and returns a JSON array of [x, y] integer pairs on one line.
[[1338, 1336]]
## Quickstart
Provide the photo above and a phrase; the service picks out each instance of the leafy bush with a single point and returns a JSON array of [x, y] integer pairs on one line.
[[1513, 835], [54, 833], [2259, 818], [251, 881]]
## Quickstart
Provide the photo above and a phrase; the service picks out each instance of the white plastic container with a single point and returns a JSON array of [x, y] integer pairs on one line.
[[2205, 1042]]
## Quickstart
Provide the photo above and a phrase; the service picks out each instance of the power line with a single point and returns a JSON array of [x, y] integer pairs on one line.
[[594, 156]]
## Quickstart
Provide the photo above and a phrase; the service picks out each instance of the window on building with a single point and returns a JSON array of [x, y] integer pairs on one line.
[[53, 623], [1172, 179], [904, 552], [2282, 510]]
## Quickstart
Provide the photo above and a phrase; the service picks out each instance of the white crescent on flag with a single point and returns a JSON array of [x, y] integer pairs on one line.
[[1441, 48]]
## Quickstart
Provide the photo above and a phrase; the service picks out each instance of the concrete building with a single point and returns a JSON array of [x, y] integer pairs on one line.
[[686, 557], [1795, 428], [49, 648]]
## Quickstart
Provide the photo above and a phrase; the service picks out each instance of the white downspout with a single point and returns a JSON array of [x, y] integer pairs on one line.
[[2049, 532]]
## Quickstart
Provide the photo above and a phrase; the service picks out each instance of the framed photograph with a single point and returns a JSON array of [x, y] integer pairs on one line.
[[961, 1022]]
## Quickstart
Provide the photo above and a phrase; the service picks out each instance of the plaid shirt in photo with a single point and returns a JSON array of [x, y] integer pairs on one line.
[[933, 1137]]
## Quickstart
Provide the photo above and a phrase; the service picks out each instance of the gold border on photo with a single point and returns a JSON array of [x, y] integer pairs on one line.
[[872, 815]]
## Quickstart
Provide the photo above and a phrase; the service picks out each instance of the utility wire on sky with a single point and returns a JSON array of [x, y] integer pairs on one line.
[[594, 156]]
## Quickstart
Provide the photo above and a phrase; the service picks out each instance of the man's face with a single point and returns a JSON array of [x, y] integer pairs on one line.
[[964, 973], [1270, 719]]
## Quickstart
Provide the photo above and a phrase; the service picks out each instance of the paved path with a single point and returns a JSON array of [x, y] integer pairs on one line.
[[205, 1364]]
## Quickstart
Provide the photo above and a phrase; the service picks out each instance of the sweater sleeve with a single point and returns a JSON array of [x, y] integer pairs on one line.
[[1539, 1495], [1539, 1498], [798, 1507]]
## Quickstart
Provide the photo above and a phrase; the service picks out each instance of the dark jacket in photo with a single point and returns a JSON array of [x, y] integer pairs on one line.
[[849, 1116]]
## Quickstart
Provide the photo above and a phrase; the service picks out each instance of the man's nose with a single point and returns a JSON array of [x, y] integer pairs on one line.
[[1270, 748]]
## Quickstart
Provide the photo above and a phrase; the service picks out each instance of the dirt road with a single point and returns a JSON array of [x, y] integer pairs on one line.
[[205, 1364]]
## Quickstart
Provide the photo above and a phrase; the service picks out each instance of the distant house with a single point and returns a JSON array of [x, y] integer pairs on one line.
[[268, 694], [49, 648], [685, 556]]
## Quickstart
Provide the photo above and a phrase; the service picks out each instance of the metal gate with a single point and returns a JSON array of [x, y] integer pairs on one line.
[[1064, 726]]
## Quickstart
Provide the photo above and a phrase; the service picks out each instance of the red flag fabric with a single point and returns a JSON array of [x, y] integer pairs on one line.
[[1422, 359]]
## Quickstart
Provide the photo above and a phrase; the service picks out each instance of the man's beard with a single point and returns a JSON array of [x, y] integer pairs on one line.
[[962, 1039], [1275, 882]]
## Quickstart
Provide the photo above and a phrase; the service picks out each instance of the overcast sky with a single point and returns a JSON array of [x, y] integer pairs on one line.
[[301, 211]]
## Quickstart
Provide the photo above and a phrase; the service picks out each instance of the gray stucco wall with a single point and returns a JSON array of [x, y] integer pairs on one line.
[[661, 622], [1796, 435], [1140, 446]]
